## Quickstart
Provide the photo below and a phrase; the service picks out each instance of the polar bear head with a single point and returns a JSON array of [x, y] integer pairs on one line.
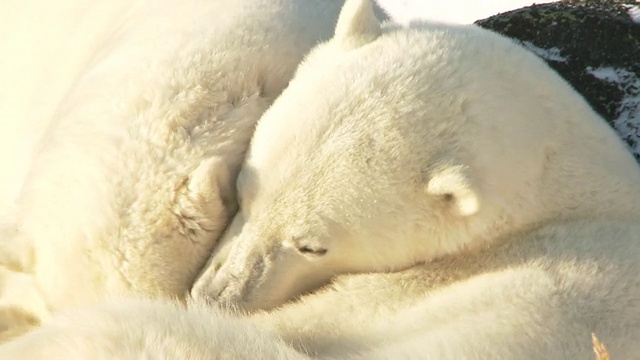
[[391, 146]]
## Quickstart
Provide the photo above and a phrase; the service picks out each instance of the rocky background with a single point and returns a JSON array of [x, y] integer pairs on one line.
[[594, 45]]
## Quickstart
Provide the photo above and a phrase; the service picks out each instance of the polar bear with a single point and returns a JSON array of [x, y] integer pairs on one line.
[[132, 183], [437, 143], [440, 143], [538, 293], [508, 301], [144, 329]]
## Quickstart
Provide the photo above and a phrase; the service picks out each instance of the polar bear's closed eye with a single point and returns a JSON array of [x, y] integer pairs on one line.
[[396, 146], [312, 251]]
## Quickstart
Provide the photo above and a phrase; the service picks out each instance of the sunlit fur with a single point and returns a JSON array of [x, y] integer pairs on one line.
[[420, 143], [534, 294], [142, 329], [398, 147], [133, 180]]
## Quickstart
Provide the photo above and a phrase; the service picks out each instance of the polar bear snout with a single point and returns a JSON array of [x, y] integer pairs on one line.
[[240, 284], [252, 276], [212, 284], [212, 291]]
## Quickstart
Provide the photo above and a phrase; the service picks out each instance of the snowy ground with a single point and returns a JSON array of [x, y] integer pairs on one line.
[[628, 122], [634, 12]]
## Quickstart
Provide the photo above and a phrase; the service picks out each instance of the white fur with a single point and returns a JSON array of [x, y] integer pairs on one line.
[[535, 294], [132, 182], [421, 143], [51, 45], [139, 329], [21, 305], [513, 300], [436, 144]]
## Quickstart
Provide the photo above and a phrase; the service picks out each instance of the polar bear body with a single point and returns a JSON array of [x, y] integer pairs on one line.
[[510, 300], [506, 273], [536, 294], [431, 140], [428, 143], [143, 329], [132, 182]]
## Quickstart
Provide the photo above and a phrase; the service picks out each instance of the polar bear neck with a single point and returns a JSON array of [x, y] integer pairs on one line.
[[595, 177]]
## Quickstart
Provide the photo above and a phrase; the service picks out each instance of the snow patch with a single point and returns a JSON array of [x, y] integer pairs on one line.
[[609, 74], [551, 54], [627, 124], [634, 12]]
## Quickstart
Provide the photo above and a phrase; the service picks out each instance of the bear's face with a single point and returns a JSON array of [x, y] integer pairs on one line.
[[383, 152], [331, 206], [341, 177]]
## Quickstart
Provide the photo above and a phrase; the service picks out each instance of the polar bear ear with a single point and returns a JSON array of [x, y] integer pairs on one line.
[[357, 24], [206, 196], [211, 182], [455, 184]]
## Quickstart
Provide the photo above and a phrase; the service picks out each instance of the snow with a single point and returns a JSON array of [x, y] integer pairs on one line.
[[608, 74], [627, 124], [551, 54], [634, 12], [452, 11]]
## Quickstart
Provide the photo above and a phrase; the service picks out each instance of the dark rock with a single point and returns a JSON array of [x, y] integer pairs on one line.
[[594, 45]]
